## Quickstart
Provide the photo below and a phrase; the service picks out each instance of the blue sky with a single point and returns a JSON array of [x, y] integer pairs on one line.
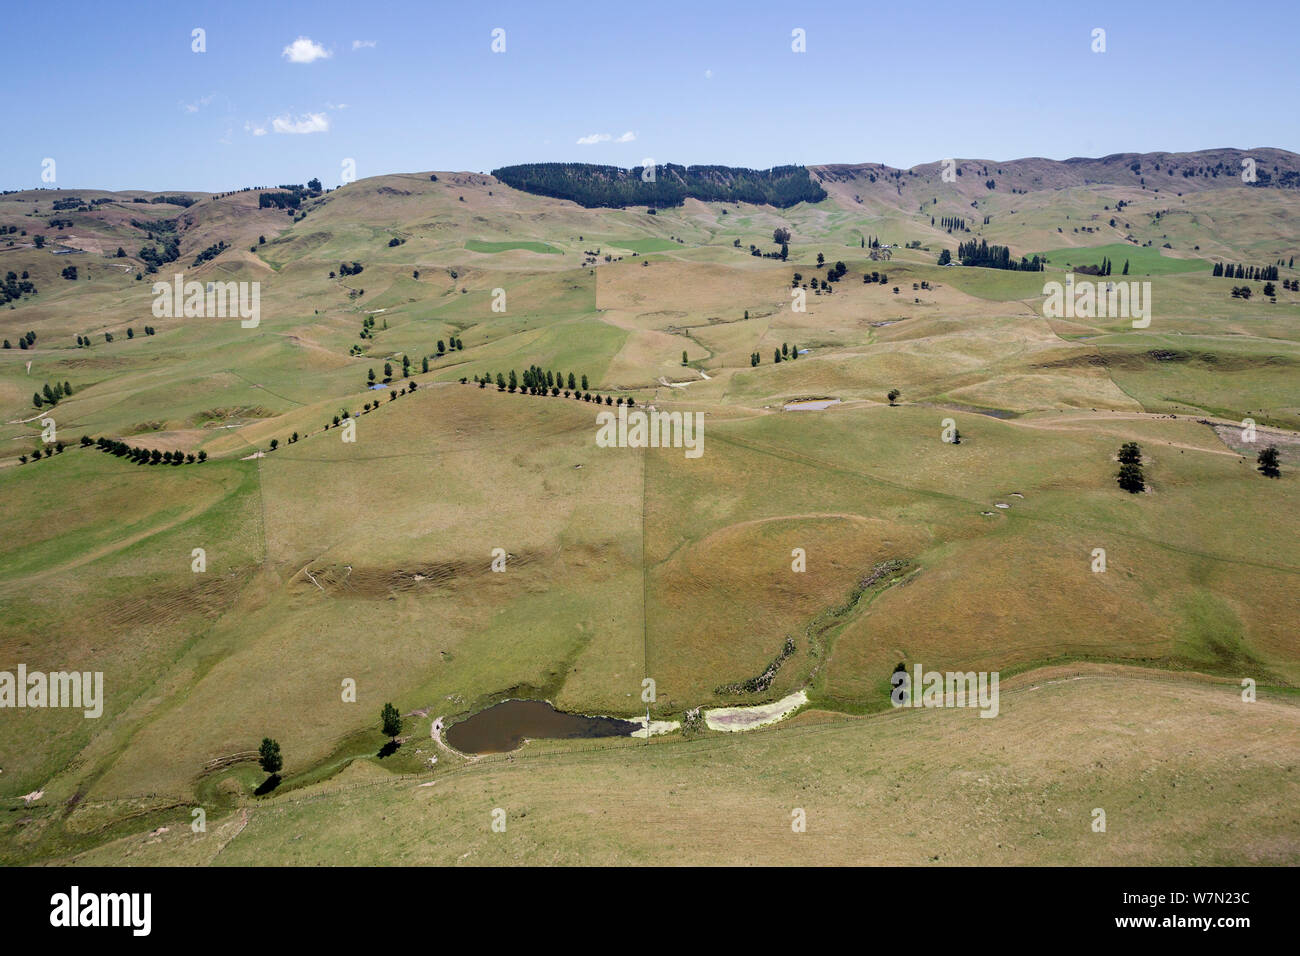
[[115, 95]]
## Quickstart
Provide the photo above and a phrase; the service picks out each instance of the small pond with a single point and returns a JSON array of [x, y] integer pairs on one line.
[[504, 727], [811, 405]]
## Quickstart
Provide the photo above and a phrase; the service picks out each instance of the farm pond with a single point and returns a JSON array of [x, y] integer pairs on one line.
[[505, 726]]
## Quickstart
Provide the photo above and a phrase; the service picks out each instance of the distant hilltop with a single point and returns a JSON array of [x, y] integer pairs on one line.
[[664, 185], [670, 184], [1264, 167]]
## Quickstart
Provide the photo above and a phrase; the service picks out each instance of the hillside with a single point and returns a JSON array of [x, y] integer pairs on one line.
[[389, 310]]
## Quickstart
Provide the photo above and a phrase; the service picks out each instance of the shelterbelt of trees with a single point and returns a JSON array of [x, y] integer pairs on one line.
[[591, 185]]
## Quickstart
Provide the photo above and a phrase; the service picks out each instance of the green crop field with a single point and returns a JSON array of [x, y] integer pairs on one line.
[[1142, 260], [478, 245]]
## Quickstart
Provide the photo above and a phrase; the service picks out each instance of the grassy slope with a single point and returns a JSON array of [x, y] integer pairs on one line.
[[906, 788]]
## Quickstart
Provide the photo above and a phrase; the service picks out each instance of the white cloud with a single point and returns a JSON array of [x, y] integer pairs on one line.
[[255, 130], [198, 104], [308, 123], [305, 50], [336, 106], [358, 44], [595, 138]]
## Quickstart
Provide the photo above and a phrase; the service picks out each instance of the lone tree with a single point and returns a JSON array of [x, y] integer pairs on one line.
[[1130, 454], [893, 395], [391, 720], [683, 357], [1130, 478], [268, 756], [781, 235], [1268, 464]]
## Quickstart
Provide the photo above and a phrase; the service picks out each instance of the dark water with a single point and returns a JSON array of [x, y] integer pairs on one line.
[[503, 727], [990, 412]]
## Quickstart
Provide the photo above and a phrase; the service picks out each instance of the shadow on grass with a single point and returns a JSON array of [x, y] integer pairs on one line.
[[269, 784], [388, 749]]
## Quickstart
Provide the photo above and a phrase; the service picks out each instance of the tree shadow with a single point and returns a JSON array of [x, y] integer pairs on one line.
[[388, 749], [269, 784]]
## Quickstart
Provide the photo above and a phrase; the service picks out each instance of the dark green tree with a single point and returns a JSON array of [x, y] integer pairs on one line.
[[391, 721], [1130, 478], [1268, 462], [268, 755]]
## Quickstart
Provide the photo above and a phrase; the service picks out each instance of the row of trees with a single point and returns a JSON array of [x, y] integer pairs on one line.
[[142, 456], [24, 341], [995, 257], [344, 414], [533, 378], [1238, 271], [535, 382], [47, 452]]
